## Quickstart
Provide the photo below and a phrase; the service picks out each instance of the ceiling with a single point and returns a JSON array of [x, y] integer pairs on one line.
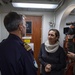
[[7, 3], [56, 1]]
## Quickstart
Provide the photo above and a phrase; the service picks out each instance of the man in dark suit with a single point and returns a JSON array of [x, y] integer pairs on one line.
[[15, 58]]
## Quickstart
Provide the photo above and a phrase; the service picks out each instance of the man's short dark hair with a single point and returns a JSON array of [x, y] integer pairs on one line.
[[12, 21]]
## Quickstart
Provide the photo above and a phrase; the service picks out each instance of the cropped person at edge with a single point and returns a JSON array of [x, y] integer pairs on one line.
[[15, 59]]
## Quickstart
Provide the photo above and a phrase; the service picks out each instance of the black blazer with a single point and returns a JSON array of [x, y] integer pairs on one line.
[[56, 59], [14, 58]]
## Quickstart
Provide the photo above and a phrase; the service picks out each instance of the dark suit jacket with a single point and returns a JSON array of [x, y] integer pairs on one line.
[[14, 58]]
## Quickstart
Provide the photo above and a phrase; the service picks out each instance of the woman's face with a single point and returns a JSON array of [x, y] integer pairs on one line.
[[52, 37]]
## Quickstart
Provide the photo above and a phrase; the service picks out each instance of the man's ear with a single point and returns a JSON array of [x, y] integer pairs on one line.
[[20, 27]]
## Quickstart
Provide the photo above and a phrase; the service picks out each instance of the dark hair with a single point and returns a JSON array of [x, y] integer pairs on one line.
[[12, 21], [71, 31], [56, 32]]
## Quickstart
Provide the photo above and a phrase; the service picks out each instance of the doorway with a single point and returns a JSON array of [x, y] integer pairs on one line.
[[35, 33]]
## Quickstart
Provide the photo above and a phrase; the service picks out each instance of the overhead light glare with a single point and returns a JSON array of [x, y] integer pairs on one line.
[[35, 5]]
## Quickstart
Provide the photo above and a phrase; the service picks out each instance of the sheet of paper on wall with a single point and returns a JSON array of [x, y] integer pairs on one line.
[[32, 45]]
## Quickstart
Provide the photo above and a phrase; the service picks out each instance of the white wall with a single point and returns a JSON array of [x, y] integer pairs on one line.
[[46, 18], [70, 18], [61, 16], [45, 25], [4, 32]]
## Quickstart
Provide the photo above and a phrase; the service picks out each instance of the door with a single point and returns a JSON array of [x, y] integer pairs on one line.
[[36, 24]]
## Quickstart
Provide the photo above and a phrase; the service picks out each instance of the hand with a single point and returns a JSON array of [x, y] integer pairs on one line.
[[48, 68], [71, 55]]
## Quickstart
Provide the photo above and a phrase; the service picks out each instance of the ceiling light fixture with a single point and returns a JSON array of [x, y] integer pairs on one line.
[[35, 5]]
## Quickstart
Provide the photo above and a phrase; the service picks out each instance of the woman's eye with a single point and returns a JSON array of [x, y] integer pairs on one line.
[[51, 34]]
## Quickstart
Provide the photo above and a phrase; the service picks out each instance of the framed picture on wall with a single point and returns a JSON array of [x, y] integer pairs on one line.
[[28, 27]]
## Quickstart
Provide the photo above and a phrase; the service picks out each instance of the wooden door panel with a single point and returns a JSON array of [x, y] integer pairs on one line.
[[36, 34]]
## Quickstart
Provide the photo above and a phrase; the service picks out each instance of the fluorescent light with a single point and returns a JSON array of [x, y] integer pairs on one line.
[[35, 5]]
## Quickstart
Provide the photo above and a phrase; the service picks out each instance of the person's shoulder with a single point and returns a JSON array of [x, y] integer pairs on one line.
[[3, 41], [43, 44], [60, 47]]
